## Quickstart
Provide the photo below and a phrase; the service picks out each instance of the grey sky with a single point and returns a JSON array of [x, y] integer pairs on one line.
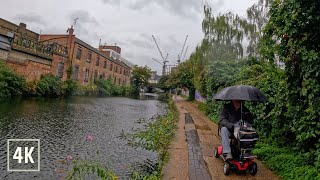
[[128, 23]]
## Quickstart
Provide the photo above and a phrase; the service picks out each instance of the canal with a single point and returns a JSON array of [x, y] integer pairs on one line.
[[63, 126]]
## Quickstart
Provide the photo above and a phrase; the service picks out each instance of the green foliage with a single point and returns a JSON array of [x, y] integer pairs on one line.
[[182, 77], [156, 136], [163, 82], [31, 88], [70, 86], [91, 170], [108, 88], [11, 84], [140, 77], [50, 85], [286, 32], [287, 164], [291, 36]]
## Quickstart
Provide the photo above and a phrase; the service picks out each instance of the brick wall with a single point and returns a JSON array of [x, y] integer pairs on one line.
[[30, 70]]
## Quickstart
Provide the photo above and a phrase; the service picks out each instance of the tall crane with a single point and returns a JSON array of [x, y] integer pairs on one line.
[[184, 56], [184, 44], [164, 59], [164, 64]]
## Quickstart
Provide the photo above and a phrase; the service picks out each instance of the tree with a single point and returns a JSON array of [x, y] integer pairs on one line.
[[182, 77], [292, 36], [163, 82], [140, 77]]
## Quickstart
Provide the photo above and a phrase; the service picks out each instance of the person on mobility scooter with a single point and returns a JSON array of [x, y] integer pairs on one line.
[[235, 124]]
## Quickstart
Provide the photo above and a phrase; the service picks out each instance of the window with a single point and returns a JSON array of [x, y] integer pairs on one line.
[[76, 71], [79, 52], [97, 61], [89, 55], [60, 69], [111, 67], [105, 64], [86, 76], [95, 77], [102, 76], [120, 70], [116, 70]]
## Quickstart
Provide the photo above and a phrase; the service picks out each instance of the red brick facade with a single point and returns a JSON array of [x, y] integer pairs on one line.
[[70, 53], [88, 63]]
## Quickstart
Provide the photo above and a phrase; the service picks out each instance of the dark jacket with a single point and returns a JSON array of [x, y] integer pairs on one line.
[[229, 116]]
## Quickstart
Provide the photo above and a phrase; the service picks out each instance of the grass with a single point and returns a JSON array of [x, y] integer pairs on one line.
[[286, 163]]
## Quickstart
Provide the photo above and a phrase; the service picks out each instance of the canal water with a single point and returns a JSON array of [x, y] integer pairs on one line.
[[79, 127]]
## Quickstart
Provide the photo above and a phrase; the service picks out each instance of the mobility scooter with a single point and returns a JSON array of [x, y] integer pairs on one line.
[[241, 143]]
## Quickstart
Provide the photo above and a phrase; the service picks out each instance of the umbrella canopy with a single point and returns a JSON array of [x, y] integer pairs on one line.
[[240, 92]]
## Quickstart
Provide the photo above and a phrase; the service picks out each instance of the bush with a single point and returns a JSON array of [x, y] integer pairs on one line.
[[87, 90], [50, 85], [32, 88], [71, 87], [285, 163], [11, 84]]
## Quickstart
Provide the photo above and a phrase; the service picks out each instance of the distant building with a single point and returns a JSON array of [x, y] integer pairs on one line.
[[154, 79]]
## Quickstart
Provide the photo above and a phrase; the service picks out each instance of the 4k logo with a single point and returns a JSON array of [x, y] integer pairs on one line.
[[23, 154]]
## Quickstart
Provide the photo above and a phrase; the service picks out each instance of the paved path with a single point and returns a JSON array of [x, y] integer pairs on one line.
[[191, 151]]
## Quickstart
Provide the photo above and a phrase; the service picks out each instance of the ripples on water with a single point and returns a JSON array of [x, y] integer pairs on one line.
[[62, 126]]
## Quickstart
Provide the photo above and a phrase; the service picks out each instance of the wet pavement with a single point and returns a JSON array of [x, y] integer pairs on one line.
[[197, 167]]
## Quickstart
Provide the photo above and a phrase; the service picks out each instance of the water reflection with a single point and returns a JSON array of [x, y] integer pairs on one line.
[[63, 124]]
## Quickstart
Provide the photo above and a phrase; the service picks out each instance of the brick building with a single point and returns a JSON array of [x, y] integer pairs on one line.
[[88, 63], [32, 55], [22, 51]]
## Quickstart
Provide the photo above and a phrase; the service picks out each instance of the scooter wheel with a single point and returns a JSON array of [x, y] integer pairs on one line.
[[216, 154], [253, 168], [226, 168]]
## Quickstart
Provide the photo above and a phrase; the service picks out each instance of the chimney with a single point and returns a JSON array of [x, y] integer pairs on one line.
[[70, 41], [22, 27], [70, 30]]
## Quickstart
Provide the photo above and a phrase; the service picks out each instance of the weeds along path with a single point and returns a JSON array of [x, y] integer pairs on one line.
[[182, 161]]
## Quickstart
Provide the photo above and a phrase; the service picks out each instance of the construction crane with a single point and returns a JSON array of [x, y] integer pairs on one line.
[[164, 59], [164, 65], [184, 44], [184, 56]]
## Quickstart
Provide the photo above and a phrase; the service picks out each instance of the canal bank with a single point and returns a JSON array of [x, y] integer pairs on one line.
[[189, 160]]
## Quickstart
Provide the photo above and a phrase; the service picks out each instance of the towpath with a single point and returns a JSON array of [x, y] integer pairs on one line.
[[192, 150]]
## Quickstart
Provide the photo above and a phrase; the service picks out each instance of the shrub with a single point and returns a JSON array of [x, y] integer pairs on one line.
[[32, 88], [285, 163], [11, 84], [71, 87], [50, 85]]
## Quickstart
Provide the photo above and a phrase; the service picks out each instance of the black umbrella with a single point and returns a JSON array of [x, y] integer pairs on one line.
[[240, 92]]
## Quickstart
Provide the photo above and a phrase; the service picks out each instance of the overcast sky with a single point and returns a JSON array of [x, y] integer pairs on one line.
[[128, 23]]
